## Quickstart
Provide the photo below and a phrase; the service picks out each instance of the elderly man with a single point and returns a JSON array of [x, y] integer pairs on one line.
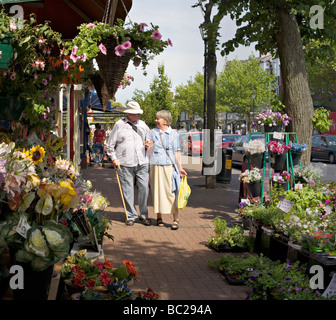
[[126, 147]]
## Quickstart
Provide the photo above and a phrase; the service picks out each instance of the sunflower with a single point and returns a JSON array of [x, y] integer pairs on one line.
[[36, 154]]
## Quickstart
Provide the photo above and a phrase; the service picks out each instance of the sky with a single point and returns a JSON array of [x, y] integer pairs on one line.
[[180, 22]]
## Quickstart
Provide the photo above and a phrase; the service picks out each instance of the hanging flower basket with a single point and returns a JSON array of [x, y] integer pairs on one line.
[[111, 66], [11, 108], [6, 53]]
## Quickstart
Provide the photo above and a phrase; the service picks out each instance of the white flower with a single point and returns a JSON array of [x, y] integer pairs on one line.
[[53, 237], [37, 244]]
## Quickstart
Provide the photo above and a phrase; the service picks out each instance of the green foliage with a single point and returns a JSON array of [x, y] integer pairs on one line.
[[268, 216], [159, 97], [190, 97], [223, 234], [320, 120], [100, 224], [240, 265], [237, 82]]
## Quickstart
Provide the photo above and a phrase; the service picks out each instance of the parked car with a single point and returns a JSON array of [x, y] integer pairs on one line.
[[193, 143], [324, 147], [225, 140], [238, 152]]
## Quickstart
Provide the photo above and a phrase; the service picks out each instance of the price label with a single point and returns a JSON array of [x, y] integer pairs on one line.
[[285, 205], [298, 186], [278, 135], [22, 228]]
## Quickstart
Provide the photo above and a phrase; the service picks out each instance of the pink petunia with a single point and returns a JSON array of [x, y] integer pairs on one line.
[[90, 25], [13, 76], [126, 45], [119, 51], [65, 64], [74, 58], [156, 35], [74, 50], [142, 26], [44, 81], [169, 42], [102, 48], [84, 57]]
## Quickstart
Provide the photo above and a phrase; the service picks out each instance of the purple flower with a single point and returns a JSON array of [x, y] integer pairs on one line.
[[287, 279], [65, 64], [44, 81]]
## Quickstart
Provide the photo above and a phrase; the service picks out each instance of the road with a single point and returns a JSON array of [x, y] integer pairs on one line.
[[329, 170]]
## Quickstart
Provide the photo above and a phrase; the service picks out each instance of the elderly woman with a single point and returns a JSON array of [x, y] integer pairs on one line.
[[165, 167]]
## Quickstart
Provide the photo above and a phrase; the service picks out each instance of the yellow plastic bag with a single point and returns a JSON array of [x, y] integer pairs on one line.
[[184, 193]]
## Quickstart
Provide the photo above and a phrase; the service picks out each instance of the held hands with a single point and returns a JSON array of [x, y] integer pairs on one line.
[[148, 143]]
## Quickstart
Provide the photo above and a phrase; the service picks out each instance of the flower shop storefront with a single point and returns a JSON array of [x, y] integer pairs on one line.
[[47, 209]]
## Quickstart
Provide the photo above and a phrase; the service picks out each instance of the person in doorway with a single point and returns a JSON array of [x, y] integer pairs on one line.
[[165, 168], [99, 137], [126, 148]]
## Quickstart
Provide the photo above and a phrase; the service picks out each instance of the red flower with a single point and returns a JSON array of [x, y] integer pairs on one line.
[[91, 283], [108, 264], [105, 278], [79, 276]]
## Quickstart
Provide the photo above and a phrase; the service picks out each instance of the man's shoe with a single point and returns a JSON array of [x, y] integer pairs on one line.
[[146, 222], [129, 222]]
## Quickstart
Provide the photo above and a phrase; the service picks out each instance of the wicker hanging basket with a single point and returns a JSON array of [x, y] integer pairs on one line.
[[111, 66]]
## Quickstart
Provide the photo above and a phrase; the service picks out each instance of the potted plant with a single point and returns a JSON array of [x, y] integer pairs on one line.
[[114, 46], [255, 149], [252, 178], [80, 273], [296, 150], [272, 121], [282, 179], [278, 152], [236, 269], [228, 239]]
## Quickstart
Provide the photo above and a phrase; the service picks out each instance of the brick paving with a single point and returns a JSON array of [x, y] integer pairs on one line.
[[173, 262]]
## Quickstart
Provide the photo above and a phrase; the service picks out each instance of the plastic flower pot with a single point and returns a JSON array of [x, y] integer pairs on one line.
[[257, 160], [278, 161], [277, 128], [296, 157], [254, 189], [11, 108], [6, 55]]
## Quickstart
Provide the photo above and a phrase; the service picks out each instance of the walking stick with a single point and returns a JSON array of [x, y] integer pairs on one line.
[[121, 193]]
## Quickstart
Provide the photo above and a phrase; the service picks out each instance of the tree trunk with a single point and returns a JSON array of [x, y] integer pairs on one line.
[[297, 95], [211, 64]]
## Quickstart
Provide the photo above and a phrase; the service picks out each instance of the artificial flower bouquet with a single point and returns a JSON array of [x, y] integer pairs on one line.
[[277, 147], [255, 146], [250, 176], [269, 118]]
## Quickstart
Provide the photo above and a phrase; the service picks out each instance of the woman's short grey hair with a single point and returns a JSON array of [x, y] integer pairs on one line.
[[165, 115]]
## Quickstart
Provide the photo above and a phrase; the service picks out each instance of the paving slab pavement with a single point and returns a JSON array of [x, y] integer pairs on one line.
[[173, 262]]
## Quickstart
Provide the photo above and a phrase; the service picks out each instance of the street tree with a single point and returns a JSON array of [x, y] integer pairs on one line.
[[283, 28], [159, 97], [239, 80]]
